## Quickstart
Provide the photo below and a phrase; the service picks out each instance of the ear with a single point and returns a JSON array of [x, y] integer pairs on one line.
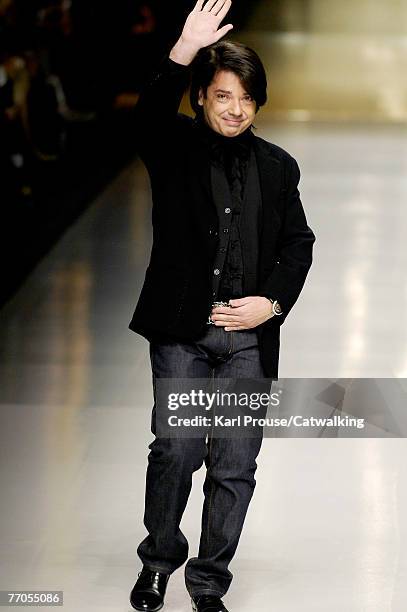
[[200, 97]]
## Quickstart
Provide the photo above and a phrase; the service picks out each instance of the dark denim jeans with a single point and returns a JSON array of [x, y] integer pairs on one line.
[[230, 463]]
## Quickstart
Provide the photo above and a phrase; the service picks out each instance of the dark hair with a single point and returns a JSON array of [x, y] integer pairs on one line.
[[235, 57]]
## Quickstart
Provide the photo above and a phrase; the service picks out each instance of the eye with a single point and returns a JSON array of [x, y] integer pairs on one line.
[[221, 96], [248, 98]]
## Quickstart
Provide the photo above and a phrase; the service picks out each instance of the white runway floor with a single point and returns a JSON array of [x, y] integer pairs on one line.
[[325, 531]]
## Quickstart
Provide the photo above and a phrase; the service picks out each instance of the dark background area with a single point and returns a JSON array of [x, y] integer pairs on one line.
[[70, 71]]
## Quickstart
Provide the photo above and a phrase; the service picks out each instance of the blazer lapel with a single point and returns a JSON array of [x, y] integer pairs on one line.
[[199, 179], [269, 168]]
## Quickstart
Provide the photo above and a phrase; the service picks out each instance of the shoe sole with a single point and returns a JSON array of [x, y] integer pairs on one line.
[[144, 610]]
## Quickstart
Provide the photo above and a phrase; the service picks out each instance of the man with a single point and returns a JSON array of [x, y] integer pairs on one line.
[[230, 241]]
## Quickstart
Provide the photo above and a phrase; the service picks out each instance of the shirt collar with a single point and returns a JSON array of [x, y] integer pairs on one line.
[[220, 145]]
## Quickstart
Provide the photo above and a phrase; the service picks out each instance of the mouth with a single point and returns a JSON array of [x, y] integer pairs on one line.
[[233, 121]]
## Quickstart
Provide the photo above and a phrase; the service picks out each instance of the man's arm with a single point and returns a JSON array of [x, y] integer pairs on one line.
[[157, 108]]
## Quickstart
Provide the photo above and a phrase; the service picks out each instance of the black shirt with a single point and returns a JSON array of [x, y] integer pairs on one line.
[[230, 155]]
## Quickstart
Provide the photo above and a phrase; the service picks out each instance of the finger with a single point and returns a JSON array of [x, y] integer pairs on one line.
[[235, 324], [216, 6], [221, 310], [223, 10], [227, 323], [228, 315], [198, 6], [235, 328], [226, 320], [209, 5]]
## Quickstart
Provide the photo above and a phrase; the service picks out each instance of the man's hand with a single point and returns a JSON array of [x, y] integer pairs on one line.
[[247, 312], [201, 29]]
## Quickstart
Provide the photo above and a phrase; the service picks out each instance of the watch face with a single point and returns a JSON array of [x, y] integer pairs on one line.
[[277, 307]]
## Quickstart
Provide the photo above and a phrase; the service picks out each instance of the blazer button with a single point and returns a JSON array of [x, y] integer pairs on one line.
[[227, 210], [216, 271]]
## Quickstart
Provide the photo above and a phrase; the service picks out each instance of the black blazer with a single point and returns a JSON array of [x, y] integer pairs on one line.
[[177, 292]]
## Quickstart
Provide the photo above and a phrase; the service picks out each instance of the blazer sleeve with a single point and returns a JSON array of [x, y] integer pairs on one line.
[[294, 251], [156, 111]]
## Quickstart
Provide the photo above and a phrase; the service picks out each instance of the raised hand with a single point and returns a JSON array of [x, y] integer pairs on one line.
[[201, 29], [201, 26]]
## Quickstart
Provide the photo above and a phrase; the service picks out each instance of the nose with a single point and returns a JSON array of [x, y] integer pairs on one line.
[[235, 108]]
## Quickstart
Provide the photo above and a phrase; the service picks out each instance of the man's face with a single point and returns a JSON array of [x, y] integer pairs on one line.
[[228, 108]]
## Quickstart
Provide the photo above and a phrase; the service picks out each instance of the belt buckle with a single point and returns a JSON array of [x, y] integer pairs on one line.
[[214, 304]]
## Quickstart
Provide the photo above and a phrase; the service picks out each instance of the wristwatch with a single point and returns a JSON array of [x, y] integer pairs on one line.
[[276, 307]]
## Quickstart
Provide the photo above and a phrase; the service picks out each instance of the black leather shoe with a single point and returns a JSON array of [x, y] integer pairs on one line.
[[149, 591], [207, 603]]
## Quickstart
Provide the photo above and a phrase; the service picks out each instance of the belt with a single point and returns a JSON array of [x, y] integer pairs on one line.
[[209, 321]]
